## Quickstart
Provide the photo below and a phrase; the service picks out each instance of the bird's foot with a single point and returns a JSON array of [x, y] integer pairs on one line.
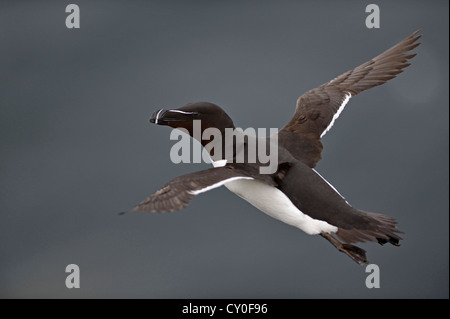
[[355, 253]]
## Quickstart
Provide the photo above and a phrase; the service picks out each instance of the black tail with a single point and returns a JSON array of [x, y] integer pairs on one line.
[[376, 227]]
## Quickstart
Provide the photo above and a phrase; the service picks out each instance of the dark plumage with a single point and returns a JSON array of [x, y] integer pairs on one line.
[[306, 200], [317, 107]]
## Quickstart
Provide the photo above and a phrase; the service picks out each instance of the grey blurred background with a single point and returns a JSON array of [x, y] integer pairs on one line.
[[76, 147]]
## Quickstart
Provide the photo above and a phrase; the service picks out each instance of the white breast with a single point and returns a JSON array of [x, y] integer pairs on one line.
[[275, 203]]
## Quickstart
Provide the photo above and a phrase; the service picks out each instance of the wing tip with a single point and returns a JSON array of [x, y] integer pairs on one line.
[[413, 38], [416, 33]]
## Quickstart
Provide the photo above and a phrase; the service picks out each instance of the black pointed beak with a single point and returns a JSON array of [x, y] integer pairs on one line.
[[157, 117], [162, 117]]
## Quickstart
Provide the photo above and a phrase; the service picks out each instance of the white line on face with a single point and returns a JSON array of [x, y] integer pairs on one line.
[[178, 111]]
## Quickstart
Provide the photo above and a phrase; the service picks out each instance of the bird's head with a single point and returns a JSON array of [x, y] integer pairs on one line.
[[210, 115]]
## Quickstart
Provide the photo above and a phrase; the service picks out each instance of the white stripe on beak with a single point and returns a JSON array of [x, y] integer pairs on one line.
[[157, 116]]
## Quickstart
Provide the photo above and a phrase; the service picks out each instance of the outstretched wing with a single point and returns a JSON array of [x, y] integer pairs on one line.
[[177, 193], [318, 108]]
